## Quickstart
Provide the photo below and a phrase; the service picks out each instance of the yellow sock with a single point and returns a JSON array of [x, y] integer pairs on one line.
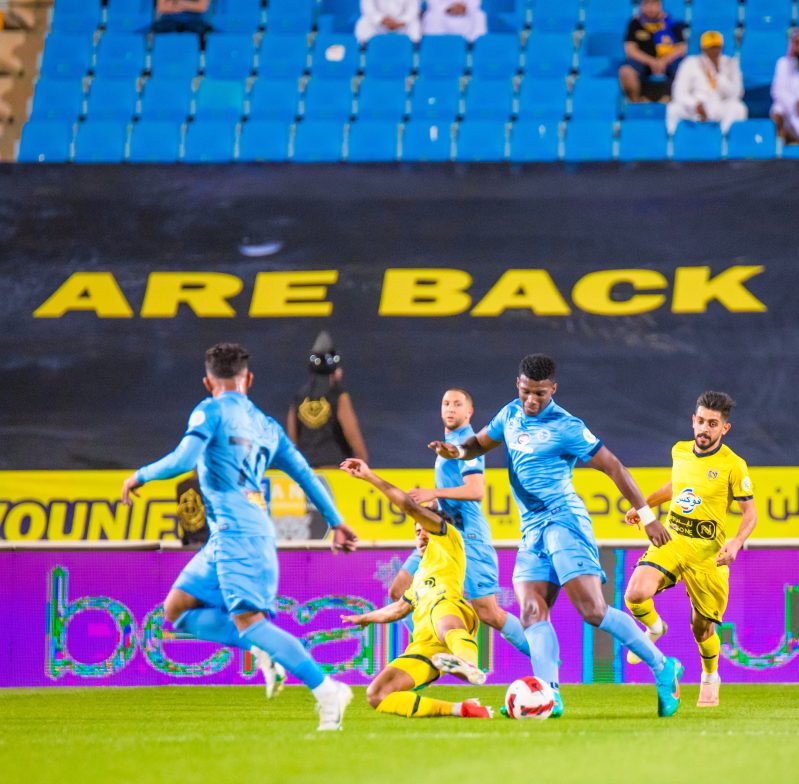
[[414, 706], [644, 612], [709, 651]]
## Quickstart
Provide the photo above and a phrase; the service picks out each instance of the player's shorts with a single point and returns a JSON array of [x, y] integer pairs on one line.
[[417, 660], [706, 583], [239, 573], [482, 569]]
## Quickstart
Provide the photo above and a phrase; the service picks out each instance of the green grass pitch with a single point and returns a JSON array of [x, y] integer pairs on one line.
[[233, 735]]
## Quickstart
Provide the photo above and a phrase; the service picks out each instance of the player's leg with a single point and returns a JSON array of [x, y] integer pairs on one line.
[[647, 579], [455, 624]]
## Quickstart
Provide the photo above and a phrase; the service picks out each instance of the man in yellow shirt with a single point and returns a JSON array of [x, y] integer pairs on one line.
[[706, 477], [444, 623]]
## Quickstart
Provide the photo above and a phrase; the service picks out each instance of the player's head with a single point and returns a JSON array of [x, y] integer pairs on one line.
[[536, 383], [711, 419], [457, 408], [227, 366], [422, 538]]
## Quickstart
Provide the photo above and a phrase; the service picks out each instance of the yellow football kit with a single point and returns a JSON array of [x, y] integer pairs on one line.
[[703, 487], [436, 591]]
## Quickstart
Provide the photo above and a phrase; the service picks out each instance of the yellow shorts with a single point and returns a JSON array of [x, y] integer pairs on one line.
[[707, 585], [417, 660]]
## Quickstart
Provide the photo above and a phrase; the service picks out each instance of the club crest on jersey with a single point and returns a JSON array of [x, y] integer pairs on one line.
[[543, 436], [711, 474], [688, 500], [522, 438]]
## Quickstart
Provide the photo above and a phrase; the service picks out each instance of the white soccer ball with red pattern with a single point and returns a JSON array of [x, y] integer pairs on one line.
[[529, 698]]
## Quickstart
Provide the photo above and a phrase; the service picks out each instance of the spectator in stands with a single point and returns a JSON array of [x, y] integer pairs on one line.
[[708, 87], [15, 18], [181, 16], [389, 16], [785, 93], [454, 17], [654, 45]]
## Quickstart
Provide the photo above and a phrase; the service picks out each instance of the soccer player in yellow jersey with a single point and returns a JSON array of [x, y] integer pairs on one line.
[[444, 623], [706, 476]]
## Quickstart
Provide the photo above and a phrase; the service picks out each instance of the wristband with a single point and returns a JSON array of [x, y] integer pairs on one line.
[[461, 452], [646, 514]]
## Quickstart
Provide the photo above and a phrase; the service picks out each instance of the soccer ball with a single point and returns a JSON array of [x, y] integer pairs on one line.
[[529, 698]]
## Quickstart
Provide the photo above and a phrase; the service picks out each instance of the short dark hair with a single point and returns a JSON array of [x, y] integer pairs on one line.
[[537, 367], [716, 401], [463, 392], [226, 360]]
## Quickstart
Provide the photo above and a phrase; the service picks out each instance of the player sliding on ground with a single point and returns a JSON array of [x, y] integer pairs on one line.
[[444, 622], [705, 477]]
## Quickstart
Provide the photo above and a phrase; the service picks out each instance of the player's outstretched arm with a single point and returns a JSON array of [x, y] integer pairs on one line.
[[472, 447], [472, 489], [660, 496], [388, 614]]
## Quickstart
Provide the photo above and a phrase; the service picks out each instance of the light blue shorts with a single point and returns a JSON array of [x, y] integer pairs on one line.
[[238, 573]]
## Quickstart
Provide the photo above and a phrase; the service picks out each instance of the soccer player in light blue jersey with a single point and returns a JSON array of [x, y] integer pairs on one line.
[[227, 592], [558, 548], [459, 491]]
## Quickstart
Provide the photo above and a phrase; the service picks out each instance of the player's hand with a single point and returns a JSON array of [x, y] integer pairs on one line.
[[344, 539], [129, 487], [355, 467], [657, 533], [358, 620], [422, 495], [728, 553], [443, 449], [632, 518]]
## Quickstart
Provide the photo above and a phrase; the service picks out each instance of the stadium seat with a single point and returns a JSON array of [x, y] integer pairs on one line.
[[290, 16], [372, 141], [112, 99], [644, 111], [338, 16], [382, 99], [283, 56], [335, 56], [426, 141], [175, 56], [166, 99], [327, 100], [229, 56], [46, 141], [274, 99], [588, 140], [607, 16], [507, 16], [542, 98], [481, 140], [752, 139], [210, 141], [767, 15], [548, 54], [720, 15], [101, 141], [760, 51], [155, 141], [389, 57], [534, 141], [318, 141], [120, 55], [237, 16], [58, 99], [555, 16], [697, 142], [791, 152], [435, 99], [66, 56], [496, 56], [81, 16], [595, 99], [442, 56], [264, 140], [601, 53], [219, 100], [133, 16], [489, 99], [643, 140]]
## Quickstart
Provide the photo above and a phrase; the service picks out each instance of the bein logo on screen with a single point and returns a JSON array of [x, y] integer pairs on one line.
[[152, 635]]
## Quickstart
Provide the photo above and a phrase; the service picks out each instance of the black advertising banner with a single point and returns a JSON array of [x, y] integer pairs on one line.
[[647, 285]]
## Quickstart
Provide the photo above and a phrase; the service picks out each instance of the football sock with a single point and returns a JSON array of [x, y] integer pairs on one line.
[[646, 613], [285, 650], [212, 624], [628, 633], [414, 706], [462, 644], [513, 632], [407, 622], [709, 651], [544, 651]]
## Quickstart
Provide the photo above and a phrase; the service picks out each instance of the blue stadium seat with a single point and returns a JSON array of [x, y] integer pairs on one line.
[[506, 16], [389, 56], [155, 141], [133, 16], [371, 141], [791, 152], [481, 140], [542, 98], [75, 17], [46, 141], [435, 99], [290, 16], [264, 140], [633, 112], [210, 141], [120, 55], [588, 140], [719, 15], [752, 139], [760, 51], [283, 56], [219, 100], [58, 99], [101, 141], [595, 99], [601, 53], [489, 99], [166, 100], [442, 56], [274, 99], [112, 99], [423, 140], [338, 16], [237, 16], [548, 54], [643, 140], [382, 99], [554, 16], [767, 15], [697, 142], [533, 141], [229, 56], [175, 56], [496, 56], [327, 100], [318, 141], [607, 16], [66, 56], [335, 56]]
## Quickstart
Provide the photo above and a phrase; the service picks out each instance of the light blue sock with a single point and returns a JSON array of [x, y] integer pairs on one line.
[[544, 651], [210, 623], [628, 633], [285, 650], [513, 632], [407, 622]]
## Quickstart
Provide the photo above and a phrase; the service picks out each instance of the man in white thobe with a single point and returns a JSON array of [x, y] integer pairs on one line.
[[454, 17], [785, 93], [389, 16]]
